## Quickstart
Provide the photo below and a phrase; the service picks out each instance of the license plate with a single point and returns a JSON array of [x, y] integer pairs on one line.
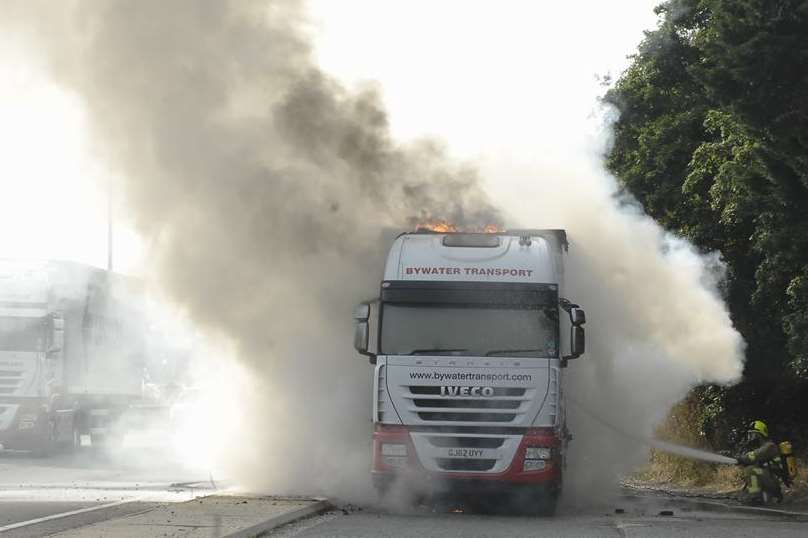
[[471, 453]]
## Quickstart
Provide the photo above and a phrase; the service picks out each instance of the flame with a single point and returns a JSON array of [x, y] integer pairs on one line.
[[440, 226], [444, 226]]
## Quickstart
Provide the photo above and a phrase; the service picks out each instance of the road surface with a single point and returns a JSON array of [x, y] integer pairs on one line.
[[640, 519], [40, 497]]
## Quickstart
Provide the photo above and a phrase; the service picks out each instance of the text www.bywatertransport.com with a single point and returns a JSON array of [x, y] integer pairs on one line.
[[470, 376]]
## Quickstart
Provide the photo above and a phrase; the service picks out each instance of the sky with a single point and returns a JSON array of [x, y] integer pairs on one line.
[[510, 86], [53, 190]]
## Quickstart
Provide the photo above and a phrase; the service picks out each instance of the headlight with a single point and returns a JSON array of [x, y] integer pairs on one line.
[[396, 462], [389, 449], [533, 465], [537, 453]]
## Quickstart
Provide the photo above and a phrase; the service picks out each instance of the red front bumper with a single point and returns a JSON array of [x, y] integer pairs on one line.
[[550, 475]]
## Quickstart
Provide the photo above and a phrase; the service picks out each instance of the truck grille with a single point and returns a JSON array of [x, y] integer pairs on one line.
[[10, 381], [7, 414], [488, 449], [467, 404], [502, 406], [468, 433], [462, 464], [466, 417], [498, 391]]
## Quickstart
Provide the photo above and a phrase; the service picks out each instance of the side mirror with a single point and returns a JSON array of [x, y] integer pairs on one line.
[[577, 341], [362, 330], [576, 313], [577, 344], [362, 312], [361, 333]]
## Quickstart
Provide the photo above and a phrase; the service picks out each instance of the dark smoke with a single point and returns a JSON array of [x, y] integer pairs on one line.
[[261, 185]]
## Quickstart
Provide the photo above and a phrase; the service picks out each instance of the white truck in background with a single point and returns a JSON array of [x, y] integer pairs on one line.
[[469, 343], [71, 354]]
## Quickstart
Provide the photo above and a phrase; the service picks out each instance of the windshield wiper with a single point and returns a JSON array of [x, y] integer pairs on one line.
[[434, 350], [498, 351]]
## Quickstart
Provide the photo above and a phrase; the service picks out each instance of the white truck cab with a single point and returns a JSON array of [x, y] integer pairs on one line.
[[71, 354], [469, 349]]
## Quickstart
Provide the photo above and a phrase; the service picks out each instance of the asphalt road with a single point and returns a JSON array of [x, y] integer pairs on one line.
[[640, 519], [40, 496], [69, 491], [35, 521]]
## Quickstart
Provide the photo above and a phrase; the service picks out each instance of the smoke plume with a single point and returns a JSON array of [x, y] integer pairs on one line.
[[657, 325], [262, 185]]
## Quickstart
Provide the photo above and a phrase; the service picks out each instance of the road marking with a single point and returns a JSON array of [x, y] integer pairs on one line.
[[64, 514], [747, 508], [622, 527]]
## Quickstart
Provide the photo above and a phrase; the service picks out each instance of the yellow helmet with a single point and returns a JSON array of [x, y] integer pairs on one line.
[[758, 426]]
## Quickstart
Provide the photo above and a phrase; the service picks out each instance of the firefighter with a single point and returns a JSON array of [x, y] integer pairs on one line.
[[762, 466]]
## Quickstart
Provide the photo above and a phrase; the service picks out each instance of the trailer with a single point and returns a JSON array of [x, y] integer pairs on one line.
[[71, 354], [469, 337]]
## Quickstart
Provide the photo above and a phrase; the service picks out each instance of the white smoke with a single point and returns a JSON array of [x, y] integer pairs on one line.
[[261, 185], [656, 324]]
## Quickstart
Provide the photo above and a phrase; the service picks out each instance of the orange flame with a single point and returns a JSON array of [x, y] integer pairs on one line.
[[444, 226], [440, 226]]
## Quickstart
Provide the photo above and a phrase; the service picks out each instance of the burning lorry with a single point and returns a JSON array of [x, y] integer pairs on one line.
[[471, 335], [71, 354]]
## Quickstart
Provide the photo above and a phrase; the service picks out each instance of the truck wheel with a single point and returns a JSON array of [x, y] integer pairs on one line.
[[546, 503], [381, 487]]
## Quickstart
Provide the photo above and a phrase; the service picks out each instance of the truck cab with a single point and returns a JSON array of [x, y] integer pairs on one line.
[[70, 354], [471, 334]]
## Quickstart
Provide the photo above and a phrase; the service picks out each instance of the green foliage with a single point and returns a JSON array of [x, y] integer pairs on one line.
[[796, 323], [712, 139]]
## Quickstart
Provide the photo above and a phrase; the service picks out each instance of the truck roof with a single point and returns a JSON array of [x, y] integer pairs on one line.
[[526, 256], [44, 284]]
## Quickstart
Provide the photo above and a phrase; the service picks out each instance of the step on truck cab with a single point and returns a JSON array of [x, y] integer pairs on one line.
[[470, 337]]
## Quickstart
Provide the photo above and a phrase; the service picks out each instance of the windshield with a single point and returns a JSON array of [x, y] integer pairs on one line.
[[474, 330], [22, 334]]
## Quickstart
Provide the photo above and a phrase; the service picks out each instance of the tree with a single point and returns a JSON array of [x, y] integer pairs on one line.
[[712, 139]]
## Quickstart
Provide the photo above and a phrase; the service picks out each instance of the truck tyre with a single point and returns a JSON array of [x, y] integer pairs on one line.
[[546, 503], [382, 487]]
